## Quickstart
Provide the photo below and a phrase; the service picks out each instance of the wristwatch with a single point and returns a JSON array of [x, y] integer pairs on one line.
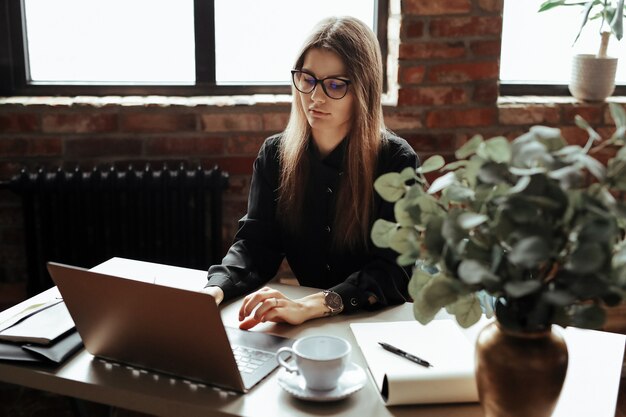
[[333, 301]]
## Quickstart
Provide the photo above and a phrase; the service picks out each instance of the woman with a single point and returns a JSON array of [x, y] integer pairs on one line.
[[312, 198]]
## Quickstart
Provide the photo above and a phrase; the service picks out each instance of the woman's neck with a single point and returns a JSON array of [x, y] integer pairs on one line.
[[327, 140]]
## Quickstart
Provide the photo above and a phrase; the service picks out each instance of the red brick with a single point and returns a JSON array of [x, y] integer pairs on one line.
[[471, 117], [79, 122], [575, 135], [244, 145], [436, 7], [275, 122], [185, 146], [607, 114], [412, 75], [19, 122], [493, 6], [432, 143], [429, 96], [486, 48], [38, 146], [592, 114], [529, 115], [235, 165], [425, 50], [466, 26], [413, 28], [158, 122], [101, 147], [486, 92], [403, 121], [464, 72], [233, 122]]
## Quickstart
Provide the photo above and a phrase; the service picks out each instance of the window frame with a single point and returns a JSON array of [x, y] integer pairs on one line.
[[14, 79]]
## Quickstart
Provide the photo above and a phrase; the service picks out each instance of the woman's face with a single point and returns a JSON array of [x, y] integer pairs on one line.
[[323, 112]]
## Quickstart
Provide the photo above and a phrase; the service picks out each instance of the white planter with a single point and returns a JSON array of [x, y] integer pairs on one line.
[[593, 79]]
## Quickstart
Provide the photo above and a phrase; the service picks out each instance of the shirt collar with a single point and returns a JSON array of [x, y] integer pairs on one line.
[[333, 159]]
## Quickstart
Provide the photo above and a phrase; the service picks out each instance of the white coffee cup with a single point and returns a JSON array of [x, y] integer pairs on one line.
[[319, 359]]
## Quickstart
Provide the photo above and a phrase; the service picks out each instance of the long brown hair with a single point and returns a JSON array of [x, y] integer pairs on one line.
[[358, 47]]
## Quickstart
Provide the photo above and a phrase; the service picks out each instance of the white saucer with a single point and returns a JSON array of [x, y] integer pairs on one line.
[[352, 380]]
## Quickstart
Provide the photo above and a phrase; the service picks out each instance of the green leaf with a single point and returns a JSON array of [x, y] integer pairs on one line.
[[424, 312], [473, 272], [468, 147], [382, 232], [402, 212], [587, 258], [404, 240], [453, 166], [407, 174], [442, 182], [586, 12], [618, 114], [407, 259], [440, 291], [466, 310], [390, 186], [529, 252], [459, 193], [551, 137], [521, 185], [496, 149], [588, 317], [433, 163], [520, 289], [471, 220], [617, 24], [418, 280]]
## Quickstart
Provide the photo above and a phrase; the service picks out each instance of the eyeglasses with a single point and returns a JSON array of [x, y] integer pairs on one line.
[[335, 88]]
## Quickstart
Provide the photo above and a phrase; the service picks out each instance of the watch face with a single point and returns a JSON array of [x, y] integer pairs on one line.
[[333, 300]]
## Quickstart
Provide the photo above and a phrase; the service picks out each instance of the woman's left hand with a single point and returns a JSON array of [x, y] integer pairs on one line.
[[272, 305]]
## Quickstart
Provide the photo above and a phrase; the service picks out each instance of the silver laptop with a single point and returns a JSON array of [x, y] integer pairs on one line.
[[165, 329]]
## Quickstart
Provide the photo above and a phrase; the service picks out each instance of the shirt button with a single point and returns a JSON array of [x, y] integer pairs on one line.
[[353, 302], [327, 267], [327, 228], [329, 190]]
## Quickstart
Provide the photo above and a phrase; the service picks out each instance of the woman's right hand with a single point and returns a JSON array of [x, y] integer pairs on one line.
[[215, 292]]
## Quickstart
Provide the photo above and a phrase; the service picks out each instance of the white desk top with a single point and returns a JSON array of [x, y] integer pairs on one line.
[[92, 379]]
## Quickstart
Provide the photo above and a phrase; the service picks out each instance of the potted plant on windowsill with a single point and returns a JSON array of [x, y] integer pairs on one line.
[[532, 229], [593, 76]]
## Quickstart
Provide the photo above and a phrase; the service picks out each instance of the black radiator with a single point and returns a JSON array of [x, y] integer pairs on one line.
[[84, 217]]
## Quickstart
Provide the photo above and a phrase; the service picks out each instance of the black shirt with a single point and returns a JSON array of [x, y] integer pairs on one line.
[[261, 242]]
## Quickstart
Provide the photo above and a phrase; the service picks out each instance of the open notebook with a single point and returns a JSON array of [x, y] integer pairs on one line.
[[590, 388]]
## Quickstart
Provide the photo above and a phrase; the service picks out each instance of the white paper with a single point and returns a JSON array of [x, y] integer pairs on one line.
[[593, 374], [42, 327], [166, 275]]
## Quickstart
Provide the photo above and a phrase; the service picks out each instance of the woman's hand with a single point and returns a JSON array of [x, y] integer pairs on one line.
[[272, 305]]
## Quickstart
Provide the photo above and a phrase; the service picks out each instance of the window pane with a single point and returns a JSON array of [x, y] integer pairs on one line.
[[259, 45], [537, 47], [111, 41]]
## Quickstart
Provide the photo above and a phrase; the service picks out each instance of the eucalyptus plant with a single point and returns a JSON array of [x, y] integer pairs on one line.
[[611, 13], [532, 229]]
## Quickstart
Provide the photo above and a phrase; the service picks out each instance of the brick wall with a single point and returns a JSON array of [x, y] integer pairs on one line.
[[447, 80]]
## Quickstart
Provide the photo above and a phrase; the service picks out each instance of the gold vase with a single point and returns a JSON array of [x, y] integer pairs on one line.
[[519, 374]]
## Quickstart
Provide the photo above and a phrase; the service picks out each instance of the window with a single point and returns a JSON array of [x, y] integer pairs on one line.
[[161, 46], [537, 48]]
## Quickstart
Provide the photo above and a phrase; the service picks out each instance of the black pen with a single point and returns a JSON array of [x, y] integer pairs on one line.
[[404, 354]]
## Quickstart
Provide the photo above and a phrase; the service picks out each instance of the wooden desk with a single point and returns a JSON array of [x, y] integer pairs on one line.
[[92, 379]]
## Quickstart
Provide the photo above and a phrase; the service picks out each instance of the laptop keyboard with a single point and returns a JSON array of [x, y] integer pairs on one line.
[[249, 359]]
